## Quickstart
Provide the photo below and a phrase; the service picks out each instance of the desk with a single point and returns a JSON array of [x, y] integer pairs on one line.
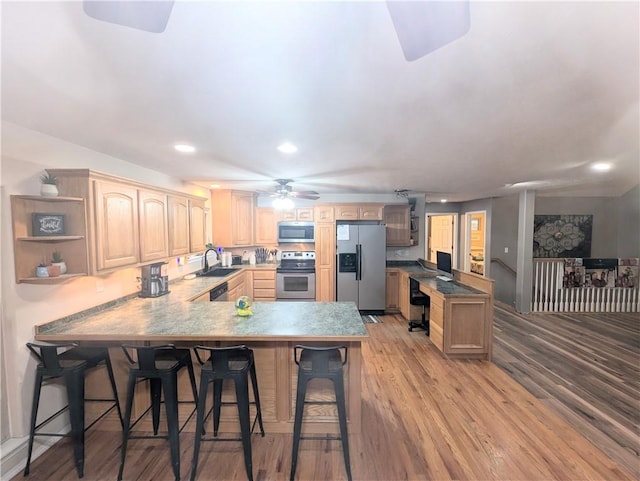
[[271, 332], [460, 318]]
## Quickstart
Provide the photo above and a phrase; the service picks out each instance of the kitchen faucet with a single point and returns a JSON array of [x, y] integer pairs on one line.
[[205, 265]]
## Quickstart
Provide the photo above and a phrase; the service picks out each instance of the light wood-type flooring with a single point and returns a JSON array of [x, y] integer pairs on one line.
[[424, 418]]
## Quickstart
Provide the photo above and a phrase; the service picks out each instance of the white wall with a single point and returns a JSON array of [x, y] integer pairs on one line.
[[25, 154]]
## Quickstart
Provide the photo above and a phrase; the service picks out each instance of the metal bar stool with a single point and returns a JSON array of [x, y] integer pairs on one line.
[[70, 364], [327, 363], [236, 363], [418, 298], [160, 366]]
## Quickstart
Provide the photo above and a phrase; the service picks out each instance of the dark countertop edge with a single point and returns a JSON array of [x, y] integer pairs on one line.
[[200, 338]]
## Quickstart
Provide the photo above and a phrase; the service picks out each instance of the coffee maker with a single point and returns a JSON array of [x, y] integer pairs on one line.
[[155, 280]]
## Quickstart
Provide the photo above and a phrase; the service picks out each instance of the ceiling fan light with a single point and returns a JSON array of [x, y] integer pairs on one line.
[[283, 203]]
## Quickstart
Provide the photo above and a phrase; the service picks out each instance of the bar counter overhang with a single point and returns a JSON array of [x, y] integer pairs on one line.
[[272, 331]]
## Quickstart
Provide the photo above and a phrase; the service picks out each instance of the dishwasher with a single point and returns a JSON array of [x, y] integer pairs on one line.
[[219, 293]]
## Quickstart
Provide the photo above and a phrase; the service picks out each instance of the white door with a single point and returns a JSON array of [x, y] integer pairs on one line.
[[476, 237], [440, 235]]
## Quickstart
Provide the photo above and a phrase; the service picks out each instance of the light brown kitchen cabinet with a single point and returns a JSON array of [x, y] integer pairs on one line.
[[264, 284], [30, 250], [197, 225], [266, 233], [127, 223], [301, 214], [153, 225], [232, 218], [403, 295], [359, 212], [324, 213], [392, 294], [237, 286], [178, 225], [117, 232], [398, 221], [325, 261]]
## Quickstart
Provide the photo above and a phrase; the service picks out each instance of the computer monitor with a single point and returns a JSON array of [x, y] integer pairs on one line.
[[443, 264]]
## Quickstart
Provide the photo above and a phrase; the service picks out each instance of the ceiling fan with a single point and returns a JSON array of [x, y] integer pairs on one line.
[[283, 190], [421, 26], [284, 194]]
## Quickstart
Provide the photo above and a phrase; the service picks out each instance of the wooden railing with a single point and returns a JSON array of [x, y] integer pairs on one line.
[[504, 265], [550, 296]]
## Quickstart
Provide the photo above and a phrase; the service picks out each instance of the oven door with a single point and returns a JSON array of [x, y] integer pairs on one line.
[[295, 286]]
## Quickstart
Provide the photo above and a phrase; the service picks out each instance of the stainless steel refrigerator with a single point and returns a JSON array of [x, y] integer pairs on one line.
[[361, 265]]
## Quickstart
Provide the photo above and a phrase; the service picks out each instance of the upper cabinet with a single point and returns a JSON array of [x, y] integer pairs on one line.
[[232, 218], [359, 212], [324, 213], [197, 225], [129, 223], [298, 214], [266, 233], [398, 221], [187, 225], [32, 244], [178, 219], [154, 231], [116, 225]]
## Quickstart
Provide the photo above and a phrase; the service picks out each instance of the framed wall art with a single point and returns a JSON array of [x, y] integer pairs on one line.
[[47, 225], [556, 236]]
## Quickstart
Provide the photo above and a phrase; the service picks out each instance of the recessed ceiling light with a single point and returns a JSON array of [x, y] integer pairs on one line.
[[215, 186], [287, 148], [185, 148], [443, 200], [601, 166]]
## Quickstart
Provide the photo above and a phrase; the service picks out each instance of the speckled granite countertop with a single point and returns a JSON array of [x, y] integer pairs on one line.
[[412, 267], [428, 277], [172, 317], [451, 288]]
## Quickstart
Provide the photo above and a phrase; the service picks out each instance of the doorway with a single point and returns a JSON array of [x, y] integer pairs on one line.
[[440, 236], [476, 229]]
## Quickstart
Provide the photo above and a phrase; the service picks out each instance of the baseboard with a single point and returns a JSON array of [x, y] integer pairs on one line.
[[13, 453]]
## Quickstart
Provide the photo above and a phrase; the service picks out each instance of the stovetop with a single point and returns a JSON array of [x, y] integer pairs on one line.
[[297, 261]]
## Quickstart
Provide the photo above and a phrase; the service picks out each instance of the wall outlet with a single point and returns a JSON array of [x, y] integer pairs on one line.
[[99, 285], [506, 250]]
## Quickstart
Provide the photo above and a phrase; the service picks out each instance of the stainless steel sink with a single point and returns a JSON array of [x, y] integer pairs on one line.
[[218, 272]]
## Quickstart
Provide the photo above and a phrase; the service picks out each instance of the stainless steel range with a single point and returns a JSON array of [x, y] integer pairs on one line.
[[296, 276]]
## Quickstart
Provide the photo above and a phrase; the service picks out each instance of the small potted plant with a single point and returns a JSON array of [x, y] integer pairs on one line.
[[57, 260], [49, 187], [41, 270]]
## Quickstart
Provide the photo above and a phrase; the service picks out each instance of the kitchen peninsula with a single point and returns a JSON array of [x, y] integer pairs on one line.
[[272, 331]]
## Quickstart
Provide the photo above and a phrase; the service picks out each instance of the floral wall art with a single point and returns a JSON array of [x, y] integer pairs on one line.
[[557, 236]]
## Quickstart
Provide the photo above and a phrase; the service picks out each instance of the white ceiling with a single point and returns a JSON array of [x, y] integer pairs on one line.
[[534, 91]]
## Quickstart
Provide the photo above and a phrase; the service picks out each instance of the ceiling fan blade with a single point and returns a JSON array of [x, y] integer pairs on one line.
[[304, 192], [298, 195], [423, 27], [151, 15]]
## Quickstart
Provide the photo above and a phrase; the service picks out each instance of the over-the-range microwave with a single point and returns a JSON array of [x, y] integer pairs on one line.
[[296, 232]]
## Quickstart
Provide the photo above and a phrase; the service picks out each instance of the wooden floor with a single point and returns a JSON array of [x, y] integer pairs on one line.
[[424, 418], [583, 366]]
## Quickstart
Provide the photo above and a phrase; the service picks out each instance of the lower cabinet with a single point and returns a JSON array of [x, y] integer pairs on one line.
[[392, 297], [264, 285], [237, 286], [459, 326]]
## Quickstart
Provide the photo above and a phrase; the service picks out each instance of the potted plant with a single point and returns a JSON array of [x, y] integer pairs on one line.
[[57, 260], [41, 270], [49, 187]]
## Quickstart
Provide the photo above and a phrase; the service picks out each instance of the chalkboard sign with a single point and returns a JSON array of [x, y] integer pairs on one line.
[[47, 224]]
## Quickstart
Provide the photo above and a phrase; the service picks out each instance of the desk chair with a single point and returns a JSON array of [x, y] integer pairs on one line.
[[418, 298]]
